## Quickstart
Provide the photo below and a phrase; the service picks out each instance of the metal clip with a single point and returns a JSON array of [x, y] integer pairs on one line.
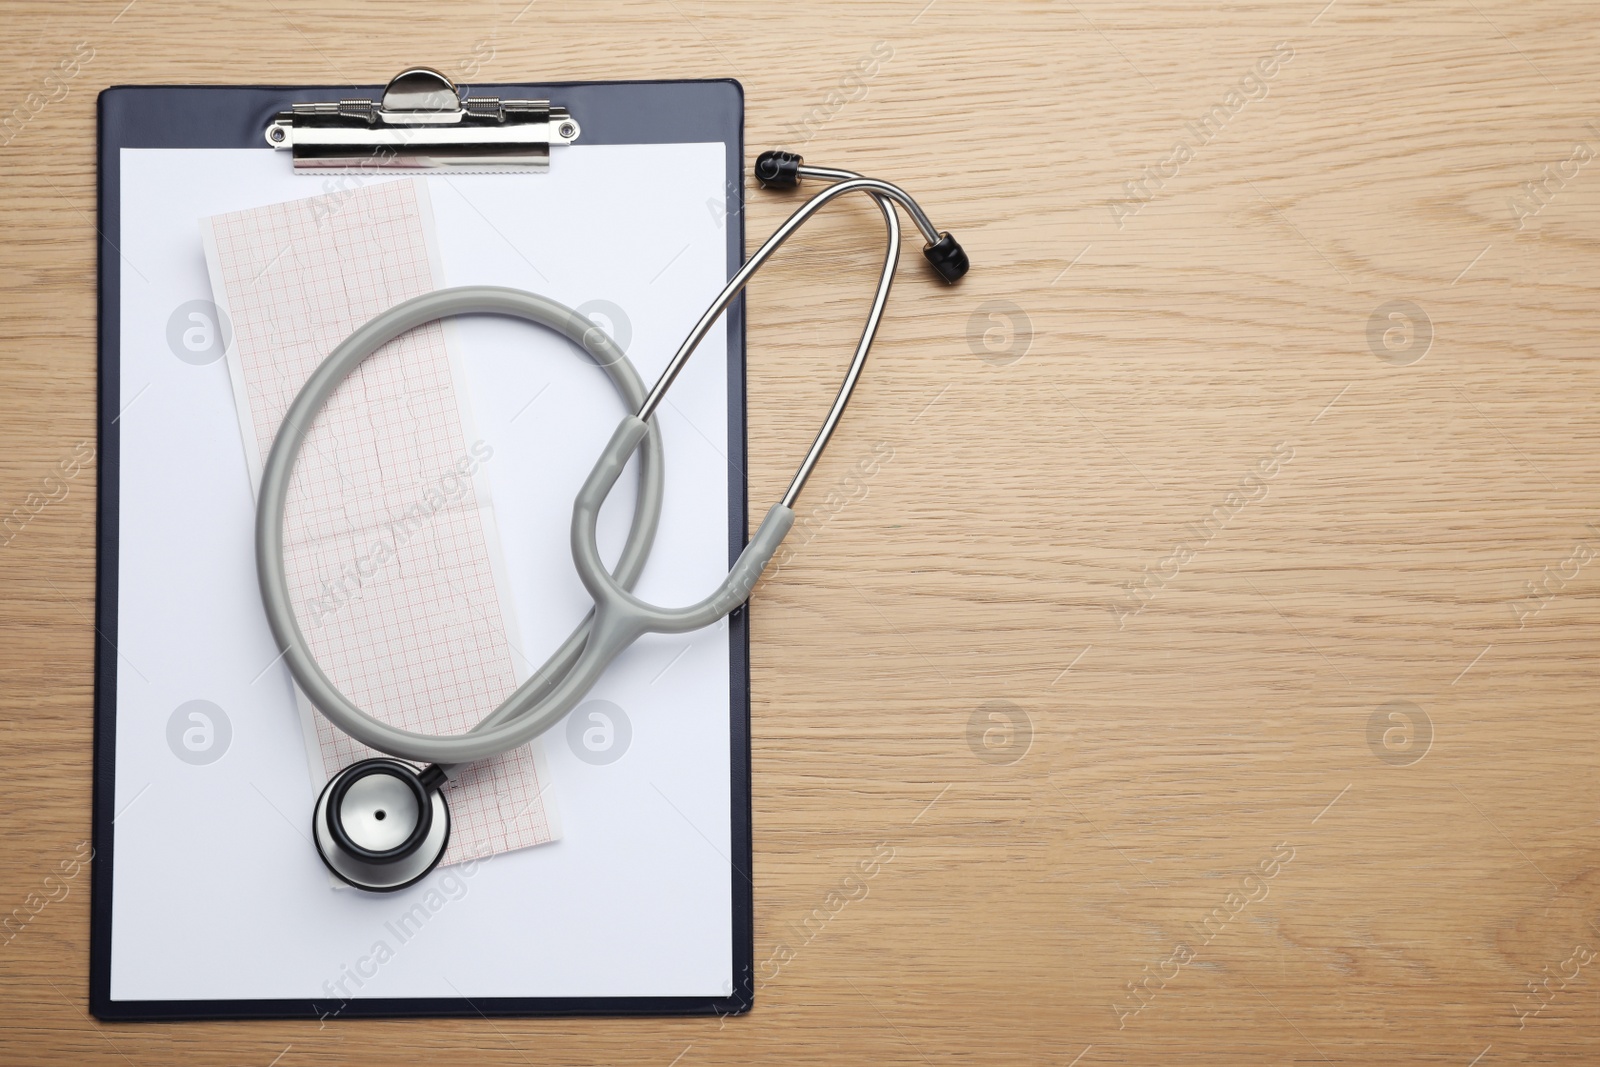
[[422, 123]]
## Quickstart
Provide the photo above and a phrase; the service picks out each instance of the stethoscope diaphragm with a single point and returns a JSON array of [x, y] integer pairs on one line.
[[381, 825]]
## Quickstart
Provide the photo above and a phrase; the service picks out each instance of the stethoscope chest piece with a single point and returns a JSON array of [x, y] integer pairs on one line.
[[381, 825]]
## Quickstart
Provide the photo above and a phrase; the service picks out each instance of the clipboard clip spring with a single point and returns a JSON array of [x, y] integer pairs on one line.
[[422, 123]]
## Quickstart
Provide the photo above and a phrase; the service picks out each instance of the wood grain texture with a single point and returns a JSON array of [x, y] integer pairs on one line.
[[1175, 754]]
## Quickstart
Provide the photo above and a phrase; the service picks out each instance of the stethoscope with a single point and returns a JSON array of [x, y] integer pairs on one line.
[[381, 824]]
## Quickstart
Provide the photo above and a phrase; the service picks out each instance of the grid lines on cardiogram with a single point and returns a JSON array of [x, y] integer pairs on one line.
[[384, 545]]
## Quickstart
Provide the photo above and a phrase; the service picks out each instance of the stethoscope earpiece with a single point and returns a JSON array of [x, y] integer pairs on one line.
[[381, 825]]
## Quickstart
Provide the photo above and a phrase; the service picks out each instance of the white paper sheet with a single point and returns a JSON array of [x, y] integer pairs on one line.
[[218, 892]]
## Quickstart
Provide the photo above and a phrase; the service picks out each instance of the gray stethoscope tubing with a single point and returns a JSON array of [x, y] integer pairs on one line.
[[618, 617], [291, 436]]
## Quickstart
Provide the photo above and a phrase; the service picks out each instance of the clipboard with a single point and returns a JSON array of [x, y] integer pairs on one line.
[[654, 115]]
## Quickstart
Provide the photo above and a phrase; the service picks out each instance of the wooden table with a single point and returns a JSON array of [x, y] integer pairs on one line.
[[1210, 653]]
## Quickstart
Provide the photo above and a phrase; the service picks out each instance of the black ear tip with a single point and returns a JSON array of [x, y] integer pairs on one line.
[[948, 258], [777, 169]]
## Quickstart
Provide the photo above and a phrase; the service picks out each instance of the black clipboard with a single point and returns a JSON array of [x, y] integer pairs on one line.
[[645, 112]]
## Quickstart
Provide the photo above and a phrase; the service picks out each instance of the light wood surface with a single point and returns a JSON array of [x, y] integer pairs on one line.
[[1203, 805]]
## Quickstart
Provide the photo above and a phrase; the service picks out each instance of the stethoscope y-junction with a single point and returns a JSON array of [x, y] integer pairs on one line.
[[381, 824]]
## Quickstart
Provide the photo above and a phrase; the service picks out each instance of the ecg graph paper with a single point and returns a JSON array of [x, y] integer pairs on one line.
[[391, 552]]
